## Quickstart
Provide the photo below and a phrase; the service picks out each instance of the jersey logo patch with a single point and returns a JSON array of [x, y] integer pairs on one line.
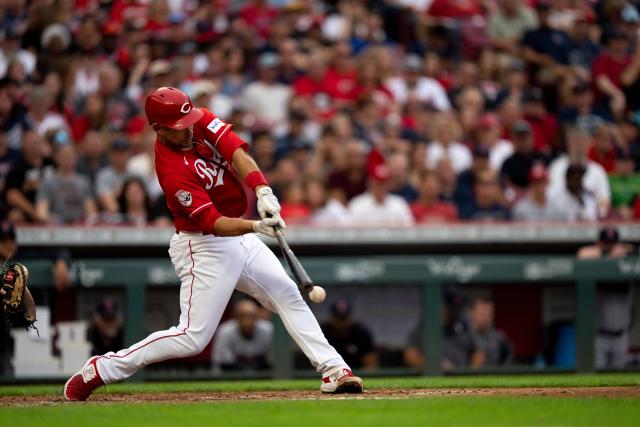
[[215, 125], [184, 197]]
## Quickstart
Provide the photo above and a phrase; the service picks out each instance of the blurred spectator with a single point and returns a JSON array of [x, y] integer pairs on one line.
[[574, 201], [92, 117], [583, 50], [607, 72], [244, 342], [516, 169], [465, 184], [377, 207], [325, 210], [350, 338], [413, 85], [579, 110], [544, 126], [93, 155], [445, 144], [294, 209], [266, 98], [595, 177], [613, 315], [603, 149], [8, 156], [545, 49], [508, 23], [490, 137], [429, 208], [346, 183], [487, 200], [24, 180], [106, 330], [120, 108], [625, 185], [39, 116], [398, 163], [65, 197], [455, 327], [109, 179], [535, 205], [135, 205], [490, 347]]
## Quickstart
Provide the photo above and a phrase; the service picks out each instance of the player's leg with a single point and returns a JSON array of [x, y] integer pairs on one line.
[[265, 279], [208, 268]]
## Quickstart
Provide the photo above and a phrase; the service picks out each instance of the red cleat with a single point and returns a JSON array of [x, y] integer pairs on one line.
[[81, 384]]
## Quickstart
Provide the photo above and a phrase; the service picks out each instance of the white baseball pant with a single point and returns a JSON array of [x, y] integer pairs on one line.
[[210, 268]]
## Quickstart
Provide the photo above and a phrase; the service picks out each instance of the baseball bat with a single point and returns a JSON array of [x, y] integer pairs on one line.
[[303, 280]]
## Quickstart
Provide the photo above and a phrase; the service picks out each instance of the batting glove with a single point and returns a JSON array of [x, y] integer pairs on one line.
[[266, 226], [268, 205]]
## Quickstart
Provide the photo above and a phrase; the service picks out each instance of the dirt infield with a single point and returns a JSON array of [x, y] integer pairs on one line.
[[184, 397]]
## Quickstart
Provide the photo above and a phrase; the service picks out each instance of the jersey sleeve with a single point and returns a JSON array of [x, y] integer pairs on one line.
[[219, 135], [186, 197]]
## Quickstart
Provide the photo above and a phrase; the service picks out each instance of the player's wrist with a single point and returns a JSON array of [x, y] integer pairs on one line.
[[256, 180]]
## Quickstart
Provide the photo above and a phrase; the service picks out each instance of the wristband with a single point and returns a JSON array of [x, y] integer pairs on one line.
[[255, 178]]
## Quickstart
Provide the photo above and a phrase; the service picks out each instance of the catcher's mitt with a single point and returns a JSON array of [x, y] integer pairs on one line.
[[17, 303]]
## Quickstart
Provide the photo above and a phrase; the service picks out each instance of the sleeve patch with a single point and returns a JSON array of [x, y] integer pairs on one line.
[[184, 197], [215, 125]]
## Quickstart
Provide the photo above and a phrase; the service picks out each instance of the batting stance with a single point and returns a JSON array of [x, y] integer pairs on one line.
[[199, 162]]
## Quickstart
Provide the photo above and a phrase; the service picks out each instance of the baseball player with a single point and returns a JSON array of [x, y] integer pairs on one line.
[[200, 164]]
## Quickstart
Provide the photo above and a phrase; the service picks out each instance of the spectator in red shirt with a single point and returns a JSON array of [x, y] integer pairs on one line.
[[607, 70], [341, 78], [93, 117], [313, 86], [543, 124], [293, 207], [603, 149], [260, 16], [429, 208]]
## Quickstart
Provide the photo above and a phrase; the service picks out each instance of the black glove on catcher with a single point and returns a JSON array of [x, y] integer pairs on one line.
[[17, 303]]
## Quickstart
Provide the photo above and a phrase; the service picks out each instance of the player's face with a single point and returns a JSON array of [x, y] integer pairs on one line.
[[181, 139]]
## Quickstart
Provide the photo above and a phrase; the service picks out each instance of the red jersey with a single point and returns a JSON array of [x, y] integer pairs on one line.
[[199, 184]]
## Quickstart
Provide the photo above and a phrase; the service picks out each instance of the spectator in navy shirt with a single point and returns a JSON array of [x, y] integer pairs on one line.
[[487, 200], [546, 49]]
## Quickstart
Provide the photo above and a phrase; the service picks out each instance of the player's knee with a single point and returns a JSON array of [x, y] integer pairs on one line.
[[195, 343]]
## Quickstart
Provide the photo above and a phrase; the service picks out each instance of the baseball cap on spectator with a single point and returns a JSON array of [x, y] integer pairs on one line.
[[7, 231], [538, 172], [608, 235], [268, 60], [54, 31], [488, 120], [629, 14], [380, 173], [341, 308], [413, 63], [120, 144], [521, 127], [159, 67]]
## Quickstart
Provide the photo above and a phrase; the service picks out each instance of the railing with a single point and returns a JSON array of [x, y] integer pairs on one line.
[[429, 272]]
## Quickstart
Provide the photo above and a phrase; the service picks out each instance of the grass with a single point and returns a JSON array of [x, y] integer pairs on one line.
[[479, 381], [458, 410]]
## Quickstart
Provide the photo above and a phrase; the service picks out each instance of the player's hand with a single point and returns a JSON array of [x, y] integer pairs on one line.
[[268, 205], [266, 226]]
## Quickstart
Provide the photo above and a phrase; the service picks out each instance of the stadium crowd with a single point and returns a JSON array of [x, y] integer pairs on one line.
[[359, 112]]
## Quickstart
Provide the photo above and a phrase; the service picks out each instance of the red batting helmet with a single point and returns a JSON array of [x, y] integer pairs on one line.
[[172, 108]]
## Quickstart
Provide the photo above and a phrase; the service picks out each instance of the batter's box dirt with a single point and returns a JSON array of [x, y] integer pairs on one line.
[[185, 397]]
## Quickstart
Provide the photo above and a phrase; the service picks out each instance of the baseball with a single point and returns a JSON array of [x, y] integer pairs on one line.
[[317, 294]]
